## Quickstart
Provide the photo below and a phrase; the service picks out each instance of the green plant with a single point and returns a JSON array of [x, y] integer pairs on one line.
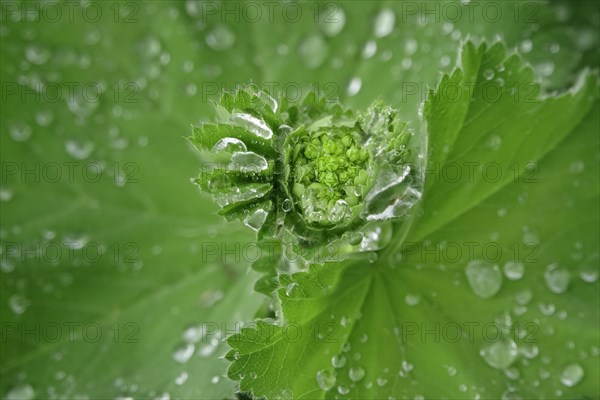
[[118, 280]]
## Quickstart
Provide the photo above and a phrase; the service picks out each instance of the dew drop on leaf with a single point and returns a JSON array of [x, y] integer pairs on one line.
[[484, 278], [325, 379], [313, 51], [412, 299], [252, 125], [183, 352], [21, 392], [80, 150], [500, 354], [571, 375], [18, 303], [356, 374], [354, 86], [6, 194], [20, 132], [338, 361], [220, 38], [369, 50], [332, 23], [181, 378], [557, 278], [514, 270], [343, 390], [36, 54], [384, 23]]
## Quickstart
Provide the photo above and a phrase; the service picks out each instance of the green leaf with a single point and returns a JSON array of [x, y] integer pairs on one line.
[[411, 314]]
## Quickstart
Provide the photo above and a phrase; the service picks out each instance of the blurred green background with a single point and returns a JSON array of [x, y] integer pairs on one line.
[[108, 252]]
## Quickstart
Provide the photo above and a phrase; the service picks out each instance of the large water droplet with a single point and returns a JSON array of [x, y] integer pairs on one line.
[[485, 278], [412, 299], [18, 303], [6, 194], [384, 23], [500, 354], [332, 23], [354, 86], [36, 54], [20, 132], [370, 49], [256, 220], [356, 374], [184, 352], [325, 379], [248, 162], [557, 278], [181, 378], [220, 38], [313, 51], [230, 145], [21, 392], [252, 125], [79, 150], [514, 270], [338, 361], [571, 375]]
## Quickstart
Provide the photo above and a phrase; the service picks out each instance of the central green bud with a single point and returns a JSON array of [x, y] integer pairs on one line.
[[329, 175]]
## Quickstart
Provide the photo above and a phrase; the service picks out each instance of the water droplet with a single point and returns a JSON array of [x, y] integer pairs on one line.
[[286, 205], [20, 132], [529, 350], [485, 278], [18, 303], [209, 348], [37, 55], [325, 379], [44, 118], [526, 46], [313, 51], [557, 278], [21, 392], [577, 167], [331, 24], [194, 334], [356, 374], [514, 270], [381, 382], [256, 220], [355, 238], [488, 74], [547, 308], [78, 149], [248, 162], [545, 68], [83, 105], [370, 49], [184, 352], [338, 361], [571, 375], [523, 297], [354, 86], [149, 47], [252, 125], [587, 274], [289, 289], [451, 371], [494, 142], [500, 354], [6, 194], [343, 390], [220, 38], [384, 23], [412, 299], [181, 378], [410, 46]]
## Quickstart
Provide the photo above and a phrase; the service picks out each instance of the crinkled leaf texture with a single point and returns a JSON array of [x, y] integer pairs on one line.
[[383, 328]]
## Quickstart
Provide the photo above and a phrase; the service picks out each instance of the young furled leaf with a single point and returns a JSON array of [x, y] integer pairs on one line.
[[311, 172]]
